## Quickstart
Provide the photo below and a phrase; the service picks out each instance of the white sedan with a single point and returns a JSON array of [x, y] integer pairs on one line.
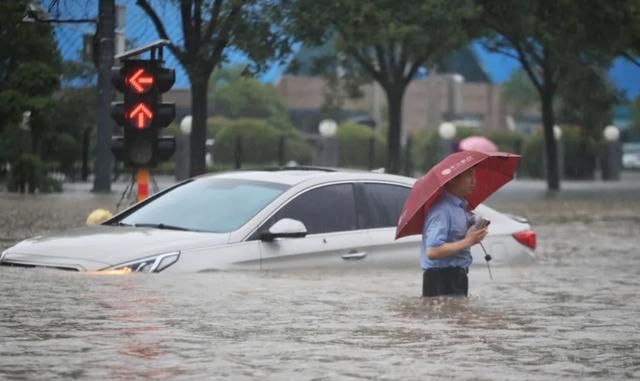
[[261, 220]]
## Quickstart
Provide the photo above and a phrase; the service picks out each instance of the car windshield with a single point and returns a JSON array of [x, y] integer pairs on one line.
[[212, 205]]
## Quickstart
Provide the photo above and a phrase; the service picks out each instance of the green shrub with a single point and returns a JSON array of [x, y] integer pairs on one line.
[[259, 143], [298, 151], [532, 162], [425, 149], [217, 124], [28, 175], [354, 142], [506, 140], [580, 154], [465, 132]]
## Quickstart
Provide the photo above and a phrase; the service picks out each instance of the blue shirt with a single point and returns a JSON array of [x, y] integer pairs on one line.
[[446, 221]]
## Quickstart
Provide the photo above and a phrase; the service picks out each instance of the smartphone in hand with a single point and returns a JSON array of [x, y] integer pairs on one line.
[[481, 223]]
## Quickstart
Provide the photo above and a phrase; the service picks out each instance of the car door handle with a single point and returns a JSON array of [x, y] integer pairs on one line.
[[352, 256]]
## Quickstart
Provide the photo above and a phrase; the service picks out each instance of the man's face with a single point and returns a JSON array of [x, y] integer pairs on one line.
[[463, 184]]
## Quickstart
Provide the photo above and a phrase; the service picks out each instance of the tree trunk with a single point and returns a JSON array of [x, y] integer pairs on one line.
[[35, 140], [199, 124], [394, 101], [551, 151]]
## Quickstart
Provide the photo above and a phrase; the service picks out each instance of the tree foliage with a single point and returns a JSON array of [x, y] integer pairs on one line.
[[30, 67], [518, 92], [211, 29], [387, 40], [550, 39], [235, 95], [586, 100]]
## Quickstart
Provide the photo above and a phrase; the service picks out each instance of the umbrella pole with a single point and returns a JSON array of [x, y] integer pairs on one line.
[[487, 258]]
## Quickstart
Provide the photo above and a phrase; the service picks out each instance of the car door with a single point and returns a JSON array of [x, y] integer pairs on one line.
[[334, 239], [380, 206]]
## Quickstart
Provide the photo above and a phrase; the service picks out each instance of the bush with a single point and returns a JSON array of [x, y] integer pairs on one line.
[[580, 154], [532, 162], [465, 132], [28, 175], [354, 142], [259, 143], [217, 124], [506, 140], [298, 151], [425, 149]]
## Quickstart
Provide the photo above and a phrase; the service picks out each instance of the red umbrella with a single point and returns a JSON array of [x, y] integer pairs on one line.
[[493, 170]]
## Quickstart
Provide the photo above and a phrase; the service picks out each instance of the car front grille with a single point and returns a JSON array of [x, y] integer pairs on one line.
[[11, 264]]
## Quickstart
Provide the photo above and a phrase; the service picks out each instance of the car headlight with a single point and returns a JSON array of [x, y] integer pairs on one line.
[[154, 264]]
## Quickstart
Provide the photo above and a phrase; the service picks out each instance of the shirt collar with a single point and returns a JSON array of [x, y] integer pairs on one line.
[[461, 202]]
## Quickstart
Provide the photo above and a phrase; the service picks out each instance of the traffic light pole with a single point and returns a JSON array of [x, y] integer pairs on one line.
[[143, 184], [142, 113], [103, 163]]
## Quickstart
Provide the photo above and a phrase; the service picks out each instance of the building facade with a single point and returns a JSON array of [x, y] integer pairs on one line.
[[427, 102]]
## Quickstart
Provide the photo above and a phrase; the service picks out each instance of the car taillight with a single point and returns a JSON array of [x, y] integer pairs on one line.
[[527, 238]]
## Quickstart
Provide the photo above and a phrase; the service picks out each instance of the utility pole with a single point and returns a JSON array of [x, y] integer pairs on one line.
[[105, 36]]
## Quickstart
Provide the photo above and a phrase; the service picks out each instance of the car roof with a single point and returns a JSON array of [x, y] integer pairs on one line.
[[292, 177]]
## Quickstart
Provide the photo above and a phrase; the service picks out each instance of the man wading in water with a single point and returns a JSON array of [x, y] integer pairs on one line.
[[447, 236]]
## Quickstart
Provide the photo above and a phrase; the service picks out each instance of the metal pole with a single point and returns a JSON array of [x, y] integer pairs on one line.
[[105, 32], [143, 184], [281, 150], [238, 152], [372, 147], [85, 154]]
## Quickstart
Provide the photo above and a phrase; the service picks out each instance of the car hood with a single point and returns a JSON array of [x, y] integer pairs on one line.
[[97, 247]]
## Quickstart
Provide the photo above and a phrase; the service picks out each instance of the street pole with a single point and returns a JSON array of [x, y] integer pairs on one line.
[[142, 178], [105, 36]]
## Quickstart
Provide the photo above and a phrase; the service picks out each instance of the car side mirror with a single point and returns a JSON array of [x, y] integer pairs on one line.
[[285, 228]]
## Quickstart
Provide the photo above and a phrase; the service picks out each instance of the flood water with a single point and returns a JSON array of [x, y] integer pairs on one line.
[[574, 315]]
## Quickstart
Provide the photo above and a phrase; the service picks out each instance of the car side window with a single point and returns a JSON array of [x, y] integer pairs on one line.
[[382, 204], [327, 209]]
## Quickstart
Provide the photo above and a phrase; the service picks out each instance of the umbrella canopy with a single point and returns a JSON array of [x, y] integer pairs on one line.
[[477, 143], [493, 170]]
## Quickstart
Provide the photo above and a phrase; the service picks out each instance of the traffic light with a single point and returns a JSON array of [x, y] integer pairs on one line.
[[142, 114]]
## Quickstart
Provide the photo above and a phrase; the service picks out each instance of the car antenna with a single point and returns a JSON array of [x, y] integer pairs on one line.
[[487, 258]]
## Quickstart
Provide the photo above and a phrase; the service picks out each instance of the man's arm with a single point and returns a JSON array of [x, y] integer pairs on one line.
[[448, 249]]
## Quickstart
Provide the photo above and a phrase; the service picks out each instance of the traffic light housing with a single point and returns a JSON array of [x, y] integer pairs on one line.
[[142, 112]]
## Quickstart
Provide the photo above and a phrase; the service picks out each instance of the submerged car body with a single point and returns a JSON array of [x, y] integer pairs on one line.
[[261, 220]]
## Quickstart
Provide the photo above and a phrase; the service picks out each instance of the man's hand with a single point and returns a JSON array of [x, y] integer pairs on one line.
[[474, 235], [445, 250]]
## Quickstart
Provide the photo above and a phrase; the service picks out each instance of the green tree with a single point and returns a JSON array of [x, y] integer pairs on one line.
[[549, 38], [519, 93], [388, 40], [235, 95], [355, 145], [615, 27], [30, 67], [586, 99], [210, 29], [74, 117]]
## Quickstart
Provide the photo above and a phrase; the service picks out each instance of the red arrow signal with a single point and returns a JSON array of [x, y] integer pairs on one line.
[[141, 115], [140, 81]]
